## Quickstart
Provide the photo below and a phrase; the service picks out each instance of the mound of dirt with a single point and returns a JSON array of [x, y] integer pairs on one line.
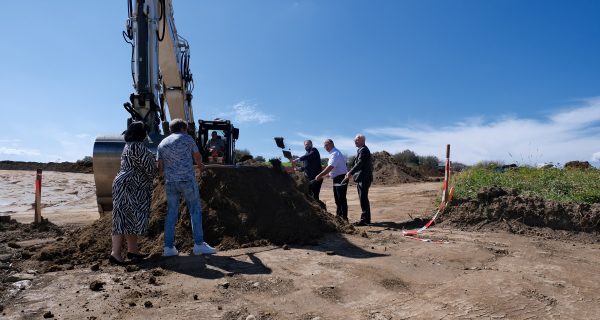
[[241, 207], [16, 231], [78, 167], [386, 170], [253, 163], [508, 210]]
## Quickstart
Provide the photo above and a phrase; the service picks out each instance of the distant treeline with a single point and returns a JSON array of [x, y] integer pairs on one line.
[[427, 165]]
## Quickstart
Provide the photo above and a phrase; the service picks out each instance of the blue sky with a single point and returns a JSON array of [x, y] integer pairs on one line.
[[517, 81]]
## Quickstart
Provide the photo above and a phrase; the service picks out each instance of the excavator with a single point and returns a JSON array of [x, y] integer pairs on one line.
[[163, 83]]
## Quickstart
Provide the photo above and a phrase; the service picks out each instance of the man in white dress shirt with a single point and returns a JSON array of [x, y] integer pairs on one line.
[[336, 169]]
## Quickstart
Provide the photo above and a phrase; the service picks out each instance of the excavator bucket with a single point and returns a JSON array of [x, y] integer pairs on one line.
[[107, 162]]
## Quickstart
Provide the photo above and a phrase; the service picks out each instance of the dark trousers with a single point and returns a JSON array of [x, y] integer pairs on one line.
[[314, 188], [339, 194], [363, 195]]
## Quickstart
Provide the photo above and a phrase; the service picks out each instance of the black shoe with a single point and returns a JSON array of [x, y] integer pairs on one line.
[[137, 256], [361, 223], [116, 261]]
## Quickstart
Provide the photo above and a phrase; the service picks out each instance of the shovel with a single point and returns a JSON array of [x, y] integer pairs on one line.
[[342, 183]]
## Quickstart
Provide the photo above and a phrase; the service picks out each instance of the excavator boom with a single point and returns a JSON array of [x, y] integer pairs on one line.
[[161, 75]]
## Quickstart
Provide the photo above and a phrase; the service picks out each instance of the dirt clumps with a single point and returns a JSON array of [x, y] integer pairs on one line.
[[78, 166], [394, 284], [18, 244], [15, 231], [97, 285], [273, 285], [330, 293], [241, 207], [507, 209], [387, 170]]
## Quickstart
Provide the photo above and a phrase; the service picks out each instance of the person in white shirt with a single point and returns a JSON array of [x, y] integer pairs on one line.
[[336, 169]]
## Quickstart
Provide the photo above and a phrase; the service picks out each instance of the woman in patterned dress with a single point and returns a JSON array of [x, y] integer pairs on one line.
[[132, 194]]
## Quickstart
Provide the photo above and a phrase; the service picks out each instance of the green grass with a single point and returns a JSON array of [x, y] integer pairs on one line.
[[579, 186]]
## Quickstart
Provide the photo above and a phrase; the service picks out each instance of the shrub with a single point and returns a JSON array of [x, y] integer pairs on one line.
[[242, 155], [276, 163], [407, 157], [350, 161], [86, 161]]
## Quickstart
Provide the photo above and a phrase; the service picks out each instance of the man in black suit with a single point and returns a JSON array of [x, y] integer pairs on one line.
[[362, 174], [311, 168]]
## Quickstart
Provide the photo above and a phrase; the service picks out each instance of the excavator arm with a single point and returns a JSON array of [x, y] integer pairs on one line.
[[160, 65], [162, 80]]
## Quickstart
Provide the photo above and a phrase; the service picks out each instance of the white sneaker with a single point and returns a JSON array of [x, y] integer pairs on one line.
[[169, 252], [203, 248]]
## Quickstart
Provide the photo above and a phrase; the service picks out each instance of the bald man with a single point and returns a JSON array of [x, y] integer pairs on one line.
[[362, 174], [336, 169]]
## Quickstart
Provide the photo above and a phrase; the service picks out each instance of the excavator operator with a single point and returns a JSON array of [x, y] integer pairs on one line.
[[215, 146]]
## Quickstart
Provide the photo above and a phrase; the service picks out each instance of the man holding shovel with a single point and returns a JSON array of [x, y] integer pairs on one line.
[[336, 168], [311, 167]]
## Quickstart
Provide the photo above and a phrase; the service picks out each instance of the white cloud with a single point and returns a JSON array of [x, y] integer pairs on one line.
[[572, 134], [579, 115], [243, 112], [49, 143], [10, 141], [83, 135], [19, 151], [341, 142]]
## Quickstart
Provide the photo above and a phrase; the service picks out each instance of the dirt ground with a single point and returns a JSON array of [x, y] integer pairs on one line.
[[375, 274]]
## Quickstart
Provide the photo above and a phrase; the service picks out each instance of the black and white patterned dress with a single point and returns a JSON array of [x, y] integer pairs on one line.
[[132, 190]]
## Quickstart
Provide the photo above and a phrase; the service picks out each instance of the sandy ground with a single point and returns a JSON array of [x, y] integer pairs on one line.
[[67, 198], [376, 274]]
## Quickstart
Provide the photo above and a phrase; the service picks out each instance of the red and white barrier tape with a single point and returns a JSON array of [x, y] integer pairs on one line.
[[446, 197]]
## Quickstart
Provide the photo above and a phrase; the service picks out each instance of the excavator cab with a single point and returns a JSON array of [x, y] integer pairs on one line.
[[216, 141]]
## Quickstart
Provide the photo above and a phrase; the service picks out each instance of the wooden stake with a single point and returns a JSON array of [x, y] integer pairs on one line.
[[38, 197]]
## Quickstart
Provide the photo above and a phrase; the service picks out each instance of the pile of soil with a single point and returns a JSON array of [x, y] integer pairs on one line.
[[506, 209], [16, 231], [244, 206], [253, 163], [77, 167], [386, 170]]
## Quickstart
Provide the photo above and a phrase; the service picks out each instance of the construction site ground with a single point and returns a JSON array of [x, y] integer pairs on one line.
[[375, 273]]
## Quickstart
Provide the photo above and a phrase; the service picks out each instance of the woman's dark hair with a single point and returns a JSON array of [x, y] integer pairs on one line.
[[136, 132]]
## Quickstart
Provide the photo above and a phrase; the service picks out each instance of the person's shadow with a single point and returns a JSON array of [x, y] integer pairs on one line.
[[228, 263], [415, 223], [208, 266], [337, 244]]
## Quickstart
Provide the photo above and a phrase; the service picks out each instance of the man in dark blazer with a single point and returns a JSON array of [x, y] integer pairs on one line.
[[362, 174], [311, 168]]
